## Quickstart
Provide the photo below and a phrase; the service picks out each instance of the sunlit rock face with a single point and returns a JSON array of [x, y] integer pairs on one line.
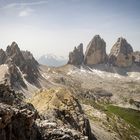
[[76, 57], [136, 57], [96, 51], [65, 118], [121, 54]]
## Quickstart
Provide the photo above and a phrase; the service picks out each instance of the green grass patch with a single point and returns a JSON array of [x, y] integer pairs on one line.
[[94, 104], [130, 115]]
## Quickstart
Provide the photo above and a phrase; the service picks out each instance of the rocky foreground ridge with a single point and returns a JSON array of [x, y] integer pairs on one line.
[[61, 118], [121, 54], [17, 118]]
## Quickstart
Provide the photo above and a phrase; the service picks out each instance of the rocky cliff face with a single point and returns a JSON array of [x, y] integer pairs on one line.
[[60, 116], [22, 65], [96, 51], [17, 119], [76, 57], [13, 52], [62, 110], [136, 57], [30, 68], [14, 76], [121, 54], [2, 56]]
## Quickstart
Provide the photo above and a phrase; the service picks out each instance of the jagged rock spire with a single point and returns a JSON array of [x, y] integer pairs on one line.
[[96, 51], [121, 54], [76, 57]]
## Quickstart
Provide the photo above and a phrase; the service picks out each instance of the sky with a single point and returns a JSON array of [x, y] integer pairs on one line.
[[56, 26]]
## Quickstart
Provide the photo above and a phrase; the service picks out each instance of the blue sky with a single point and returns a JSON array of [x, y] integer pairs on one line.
[[56, 26]]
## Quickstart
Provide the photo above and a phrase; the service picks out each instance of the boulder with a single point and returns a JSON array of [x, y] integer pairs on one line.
[[96, 51], [76, 57], [121, 54]]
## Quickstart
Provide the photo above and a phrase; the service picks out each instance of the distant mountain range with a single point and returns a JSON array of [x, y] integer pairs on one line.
[[52, 60]]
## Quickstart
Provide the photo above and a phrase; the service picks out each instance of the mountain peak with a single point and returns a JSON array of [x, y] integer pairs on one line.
[[52, 60], [96, 51], [20, 62], [14, 43], [76, 57], [121, 53], [13, 49], [121, 40]]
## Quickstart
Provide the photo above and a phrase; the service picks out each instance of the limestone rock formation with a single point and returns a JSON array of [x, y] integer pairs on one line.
[[17, 119], [121, 54], [15, 76], [13, 52], [76, 57], [30, 68], [2, 56], [62, 110], [96, 51], [21, 65], [136, 57], [25, 61]]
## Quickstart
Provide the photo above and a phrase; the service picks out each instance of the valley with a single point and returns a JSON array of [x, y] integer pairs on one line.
[[76, 101]]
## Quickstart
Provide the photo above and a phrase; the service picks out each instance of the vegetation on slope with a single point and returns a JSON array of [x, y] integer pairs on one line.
[[130, 115]]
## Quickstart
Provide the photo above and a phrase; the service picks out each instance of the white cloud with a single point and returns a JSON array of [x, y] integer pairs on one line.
[[15, 5], [26, 12], [21, 9]]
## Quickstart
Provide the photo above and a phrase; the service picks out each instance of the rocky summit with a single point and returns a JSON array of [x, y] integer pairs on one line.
[[76, 57], [95, 52], [13, 52], [121, 54], [21, 64]]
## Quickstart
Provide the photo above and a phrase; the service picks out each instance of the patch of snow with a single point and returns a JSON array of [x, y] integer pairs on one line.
[[48, 69], [117, 76], [4, 65], [99, 114], [70, 72], [3, 71], [83, 70], [102, 74], [25, 81], [54, 72], [53, 56], [45, 76]]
